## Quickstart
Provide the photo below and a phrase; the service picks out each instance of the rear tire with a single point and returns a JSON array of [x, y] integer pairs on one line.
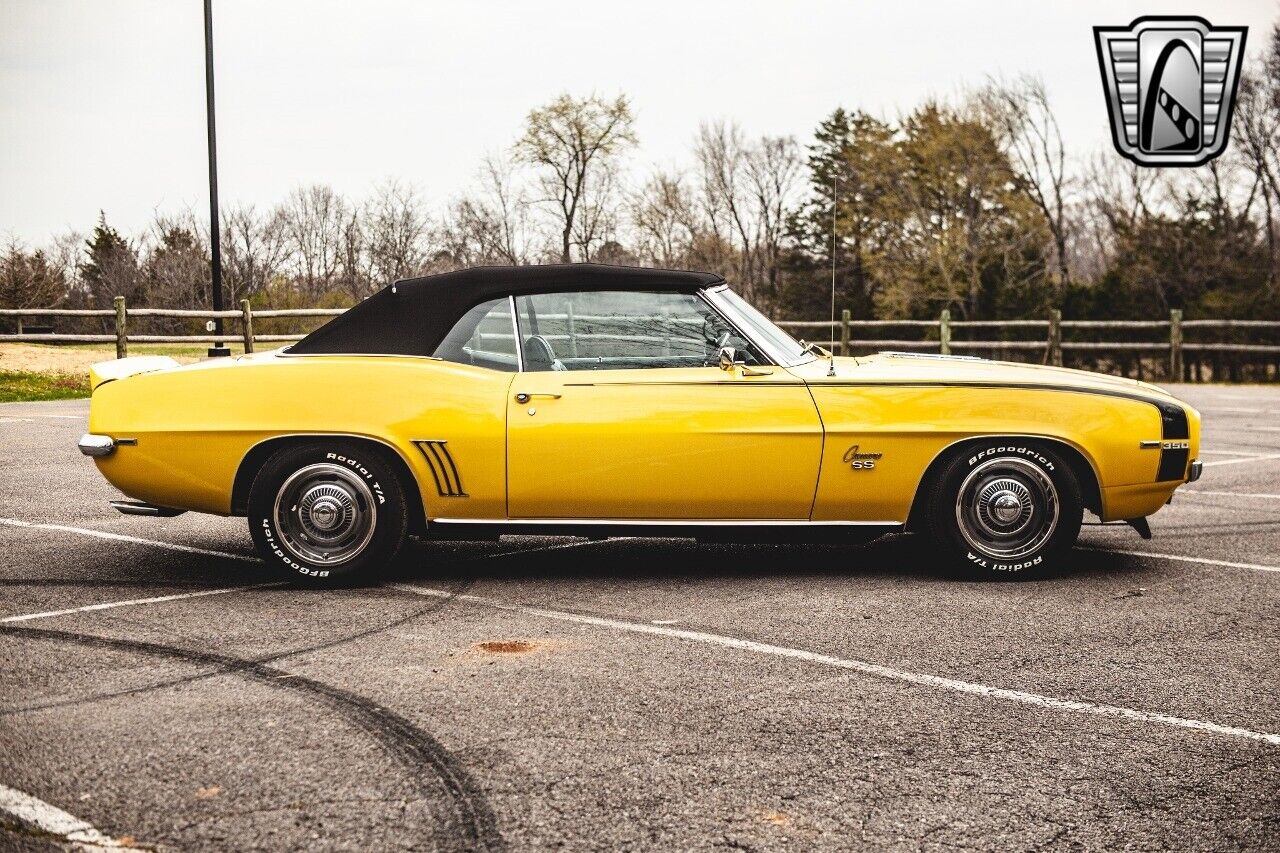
[[327, 511], [1005, 509]]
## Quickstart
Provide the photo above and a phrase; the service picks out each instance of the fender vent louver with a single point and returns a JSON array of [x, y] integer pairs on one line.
[[443, 469]]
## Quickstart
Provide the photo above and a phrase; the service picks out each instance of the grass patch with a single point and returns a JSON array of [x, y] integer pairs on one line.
[[20, 386]]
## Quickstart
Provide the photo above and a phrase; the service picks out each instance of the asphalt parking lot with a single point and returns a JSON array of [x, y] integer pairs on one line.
[[628, 694]]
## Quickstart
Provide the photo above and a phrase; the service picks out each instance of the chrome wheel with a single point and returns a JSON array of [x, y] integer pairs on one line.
[[325, 514], [1007, 508]]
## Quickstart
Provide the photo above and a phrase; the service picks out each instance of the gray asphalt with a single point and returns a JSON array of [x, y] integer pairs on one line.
[[380, 718]]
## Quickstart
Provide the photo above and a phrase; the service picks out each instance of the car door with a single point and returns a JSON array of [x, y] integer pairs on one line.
[[621, 412]]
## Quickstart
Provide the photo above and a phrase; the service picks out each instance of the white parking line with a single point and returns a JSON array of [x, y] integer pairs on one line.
[[1258, 458], [80, 834], [48, 614], [25, 417], [1204, 561], [1252, 453], [120, 537], [1228, 494], [878, 670]]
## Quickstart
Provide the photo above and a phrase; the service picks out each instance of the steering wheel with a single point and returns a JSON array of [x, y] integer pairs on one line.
[[538, 354]]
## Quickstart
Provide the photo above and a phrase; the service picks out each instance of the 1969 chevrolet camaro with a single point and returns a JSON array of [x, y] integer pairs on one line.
[[599, 401]]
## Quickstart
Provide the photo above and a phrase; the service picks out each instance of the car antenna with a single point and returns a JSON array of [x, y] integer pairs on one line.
[[835, 207]]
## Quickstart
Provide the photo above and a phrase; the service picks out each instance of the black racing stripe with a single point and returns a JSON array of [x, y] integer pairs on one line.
[[1173, 417], [1173, 465], [1173, 428], [1173, 421]]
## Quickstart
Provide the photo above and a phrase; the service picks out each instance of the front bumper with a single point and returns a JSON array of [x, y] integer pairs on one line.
[[97, 445], [1195, 470]]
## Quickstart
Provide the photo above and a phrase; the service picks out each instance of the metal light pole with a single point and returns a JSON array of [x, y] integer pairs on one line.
[[215, 237]]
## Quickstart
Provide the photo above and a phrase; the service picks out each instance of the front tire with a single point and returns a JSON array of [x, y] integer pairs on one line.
[[1006, 509], [327, 511]]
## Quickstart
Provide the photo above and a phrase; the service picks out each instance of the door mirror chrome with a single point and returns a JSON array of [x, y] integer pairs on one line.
[[728, 358]]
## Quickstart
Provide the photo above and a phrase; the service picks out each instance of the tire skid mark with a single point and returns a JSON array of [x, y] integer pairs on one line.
[[214, 673], [408, 745], [411, 747]]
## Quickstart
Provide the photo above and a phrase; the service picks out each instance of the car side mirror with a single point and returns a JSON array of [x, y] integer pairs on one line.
[[728, 358]]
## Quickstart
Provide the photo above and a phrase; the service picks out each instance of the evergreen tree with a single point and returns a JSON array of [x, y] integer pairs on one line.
[[111, 268], [854, 156]]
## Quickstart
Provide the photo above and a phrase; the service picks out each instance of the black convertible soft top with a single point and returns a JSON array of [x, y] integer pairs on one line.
[[411, 317]]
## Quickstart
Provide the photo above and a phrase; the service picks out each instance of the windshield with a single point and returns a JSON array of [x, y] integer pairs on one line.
[[783, 348]]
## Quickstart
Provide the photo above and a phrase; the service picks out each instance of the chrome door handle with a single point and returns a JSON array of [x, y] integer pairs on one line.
[[524, 398]]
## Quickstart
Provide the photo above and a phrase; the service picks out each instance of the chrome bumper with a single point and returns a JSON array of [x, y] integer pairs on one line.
[[1194, 472], [97, 445]]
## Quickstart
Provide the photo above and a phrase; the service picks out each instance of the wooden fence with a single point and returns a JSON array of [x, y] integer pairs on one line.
[[1180, 358], [1177, 356], [121, 314]]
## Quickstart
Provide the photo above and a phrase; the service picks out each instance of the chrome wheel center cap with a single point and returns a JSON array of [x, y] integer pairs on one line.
[[325, 514], [1006, 507], [327, 511]]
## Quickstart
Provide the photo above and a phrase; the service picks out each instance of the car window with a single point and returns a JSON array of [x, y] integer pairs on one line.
[[483, 337], [611, 330]]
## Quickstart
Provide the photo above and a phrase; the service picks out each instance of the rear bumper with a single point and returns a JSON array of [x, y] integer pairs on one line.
[[97, 445]]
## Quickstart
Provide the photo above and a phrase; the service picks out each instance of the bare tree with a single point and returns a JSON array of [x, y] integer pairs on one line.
[[354, 276], [599, 216], [397, 227], [773, 177], [664, 219], [1257, 133], [66, 253], [254, 250], [747, 192], [1117, 194], [315, 221], [721, 157], [490, 225], [574, 143], [1022, 115]]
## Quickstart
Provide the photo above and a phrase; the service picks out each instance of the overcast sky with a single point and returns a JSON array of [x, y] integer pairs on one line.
[[102, 101]]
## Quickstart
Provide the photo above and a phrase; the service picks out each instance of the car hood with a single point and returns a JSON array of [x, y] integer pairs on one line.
[[909, 368]]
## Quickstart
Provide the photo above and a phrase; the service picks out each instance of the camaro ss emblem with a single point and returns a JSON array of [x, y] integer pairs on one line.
[[1170, 84], [861, 461]]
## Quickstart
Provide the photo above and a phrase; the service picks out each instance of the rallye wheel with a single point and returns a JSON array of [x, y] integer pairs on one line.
[[1005, 508], [327, 511]]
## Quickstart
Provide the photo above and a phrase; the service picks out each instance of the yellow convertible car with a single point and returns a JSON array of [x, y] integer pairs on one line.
[[600, 401]]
